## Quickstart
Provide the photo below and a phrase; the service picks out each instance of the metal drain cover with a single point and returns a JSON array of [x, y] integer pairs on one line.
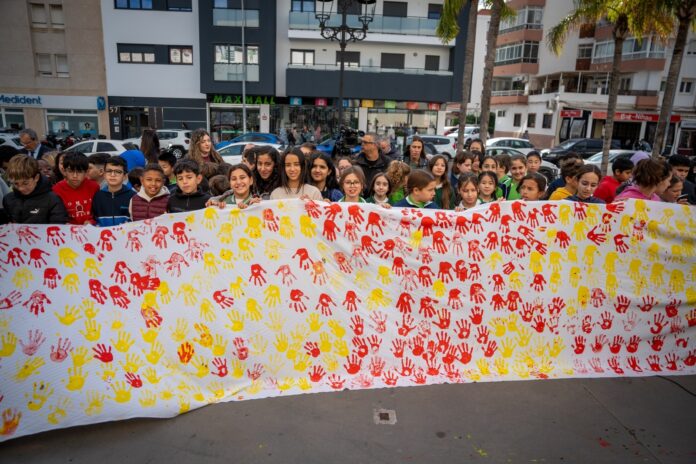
[[384, 416]]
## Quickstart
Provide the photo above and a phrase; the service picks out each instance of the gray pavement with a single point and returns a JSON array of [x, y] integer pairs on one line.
[[628, 420]]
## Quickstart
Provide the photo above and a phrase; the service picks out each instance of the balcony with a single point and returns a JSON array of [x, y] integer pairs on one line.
[[410, 25], [632, 62], [587, 31], [234, 72], [583, 64], [372, 69], [509, 97]]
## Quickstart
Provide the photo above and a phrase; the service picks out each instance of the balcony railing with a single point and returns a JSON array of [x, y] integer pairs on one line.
[[372, 69], [507, 93], [234, 72], [631, 56], [411, 25], [519, 27]]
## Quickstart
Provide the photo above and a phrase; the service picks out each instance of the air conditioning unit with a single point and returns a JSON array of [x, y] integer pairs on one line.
[[551, 105]]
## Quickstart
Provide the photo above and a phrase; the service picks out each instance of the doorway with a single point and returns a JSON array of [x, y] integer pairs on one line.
[[226, 122], [134, 121]]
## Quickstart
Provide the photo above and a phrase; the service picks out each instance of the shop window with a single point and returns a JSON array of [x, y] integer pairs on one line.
[[517, 119], [12, 118], [302, 57], [302, 5], [531, 120], [397, 9], [393, 60], [432, 63], [546, 121], [79, 122], [350, 59], [180, 55], [434, 10], [229, 64], [686, 86], [133, 4]]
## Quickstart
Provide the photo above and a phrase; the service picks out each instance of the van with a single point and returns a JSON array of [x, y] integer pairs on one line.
[[583, 147]]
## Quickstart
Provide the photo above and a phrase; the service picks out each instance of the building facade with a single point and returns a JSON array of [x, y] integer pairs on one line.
[[557, 97], [52, 78]]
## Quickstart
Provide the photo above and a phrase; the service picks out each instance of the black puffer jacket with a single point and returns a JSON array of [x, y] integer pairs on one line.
[[180, 202], [41, 206]]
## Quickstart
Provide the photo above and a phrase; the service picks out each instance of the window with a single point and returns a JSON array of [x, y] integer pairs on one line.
[[137, 53], [302, 5], [521, 52], [302, 57], [529, 17], [180, 55], [229, 64], [350, 59], [398, 9], [691, 48], [133, 4], [393, 60], [432, 63], [38, 15], [686, 86], [434, 10], [501, 113], [104, 146], [52, 65], [546, 121], [43, 15], [517, 119], [531, 120], [625, 84], [584, 51], [62, 69], [43, 64], [179, 5], [235, 18]]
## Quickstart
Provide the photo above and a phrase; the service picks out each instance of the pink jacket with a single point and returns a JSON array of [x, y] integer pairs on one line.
[[633, 192]]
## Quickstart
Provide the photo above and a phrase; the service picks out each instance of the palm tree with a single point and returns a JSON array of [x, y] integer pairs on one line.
[[637, 17], [685, 13], [447, 29]]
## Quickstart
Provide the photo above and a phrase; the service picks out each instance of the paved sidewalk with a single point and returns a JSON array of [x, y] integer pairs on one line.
[[631, 420]]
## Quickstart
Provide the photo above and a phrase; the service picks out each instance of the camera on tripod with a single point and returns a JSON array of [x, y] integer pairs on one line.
[[348, 139]]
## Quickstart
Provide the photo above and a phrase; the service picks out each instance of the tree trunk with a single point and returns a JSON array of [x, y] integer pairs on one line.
[[468, 70], [491, 38], [671, 83], [614, 81]]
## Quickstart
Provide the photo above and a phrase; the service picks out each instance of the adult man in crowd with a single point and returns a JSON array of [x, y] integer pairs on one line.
[[370, 159], [386, 147], [32, 145]]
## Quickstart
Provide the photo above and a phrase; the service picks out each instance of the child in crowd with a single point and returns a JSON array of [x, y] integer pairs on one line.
[[218, 185], [518, 169], [444, 193], [414, 154], [292, 178], [97, 164], [352, 182], [462, 164], [681, 167], [32, 201], [151, 199], [673, 193], [267, 172], [533, 162], [134, 176], [397, 173], [489, 163], [249, 157], [342, 164], [76, 191], [111, 203], [224, 169], [572, 158], [622, 169], [322, 175], [167, 161], [468, 191], [477, 147], [189, 195], [586, 181], [379, 190], [503, 162], [651, 178], [532, 187], [569, 171], [241, 193], [421, 191], [487, 186], [46, 165]]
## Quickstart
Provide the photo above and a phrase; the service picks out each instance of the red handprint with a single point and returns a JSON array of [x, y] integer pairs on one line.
[[491, 241], [330, 229], [134, 380], [476, 315], [490, 348], [34, 341], [533, 218], [185, 352], [103, 353], [476, 293], [444, 273], [482, 334], [657, 342], [633, 343], [579, 345], [36, 257], [242, 350], [672, 308], [600, 341], [133, 243], [343, 262], [562, 239], [615, 345], [357, 325], [460, 270], [660, 322], [376, 366], [220, 365], [297, 303], [538, 282], [498, 301], [305, 260], [15, 256], [375, 223], [494, 212], [36, 302], [375, 342], [517, 210], [159, 238], [398, 346], [312, 208], [119, 297], [269, 220], [360, 346], [257, 276], [55, 236], [60, 351], [221, 298], [614, 365], [621, 246], [527, 312], [425, 275], [622, 304], [105, 238], [324, 305], [312, 349], [406, 325], [316, 374], [606, 320], [355, 214], [444, 318], [654, 363], [454, 300], [426, 226], [256, 372], [648, 303], [539, 323], [439, 242], [51, 277], [367, 244], [286, 274], [465, 352], [475, 252], [426, 307], [349, 301], [417, 347]]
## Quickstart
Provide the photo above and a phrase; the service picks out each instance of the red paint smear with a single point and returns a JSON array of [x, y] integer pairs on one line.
[[603, 443]]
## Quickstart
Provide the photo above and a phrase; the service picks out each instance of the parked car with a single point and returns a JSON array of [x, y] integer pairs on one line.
[[521, 145], [112, 147], [174, 140], [583, 147], [259, 137], [328, 143], [596, 159], [7, 138], [444, 144], [549, 170], [470, 133], [232, 152]]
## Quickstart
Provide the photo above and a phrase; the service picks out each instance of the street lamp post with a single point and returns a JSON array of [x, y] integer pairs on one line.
[[344, 33]]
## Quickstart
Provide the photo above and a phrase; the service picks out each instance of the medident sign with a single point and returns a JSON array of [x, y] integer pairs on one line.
[[20, 100]]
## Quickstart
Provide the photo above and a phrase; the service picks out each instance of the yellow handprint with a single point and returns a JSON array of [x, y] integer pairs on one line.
[[307, 226], [40, 393], [658, 269], [341, 347], [9, 343], [676, 280], [281, 343], [22, 277], [245, 248], [165, 292], [184, 403], [483, 366], [28, 368], [123, 342], [580, 230], [58, 411], [95, 403], [589, 257], [210, 217], [583, 296], [92, 331], [149, 335], [76, 379], [92, 267], [253, 310], [201, 366], [314, 322], [494, 260], [217, 389], [80, 356], [545, 365], [524, 334], [133, 362], [180, 331], [151, 376], [362, 279], [205, 339], [304, 384], [70, 315], [258, 344], [416, 238], [610, 261], [117, 323], [225, 232], [564, 213], [207, 310], [575, 276], [555, 259], [236, 217], [439, 288], [210, 263], [592, 214], [635, 269], [271, 296], [640, 211], [512, 321], [654, 251], [556, 347], [383, 274], [507, 347], [293, 350], [300, 334], [237, 287], [501, 366], [236, 320], [498, 324], [87, 306], [108, 372], [122, 391], [572, 254], [219, 345], [155, 354], [147, 399], [302, 363], [236, 369], [227, 258], [330, 362], [515, 280], [324, 342], [287, 230], [190, 294], [612, 285], [66, 257], [336, 328], [272, 249], [536, 262], [521, 369], [378, 298], [286, 383], [253, 228]]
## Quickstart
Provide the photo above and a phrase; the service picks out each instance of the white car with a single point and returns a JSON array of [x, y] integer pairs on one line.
[[11, 139], [232, 153], [470, 133], [444, 144], [112, 147], [521, 145], [175, 140], [596, 159]]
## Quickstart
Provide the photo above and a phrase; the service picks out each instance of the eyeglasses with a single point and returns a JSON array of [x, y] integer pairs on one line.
[[367, 141], [115, 172], [352, 182]]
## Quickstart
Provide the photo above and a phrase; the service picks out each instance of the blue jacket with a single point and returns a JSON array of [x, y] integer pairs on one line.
[[111, 209]]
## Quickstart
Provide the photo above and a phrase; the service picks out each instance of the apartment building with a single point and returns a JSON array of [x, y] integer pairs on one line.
[[52, 77], [554, 98]]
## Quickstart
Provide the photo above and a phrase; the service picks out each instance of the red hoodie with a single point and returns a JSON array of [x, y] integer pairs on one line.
[[78, 201]]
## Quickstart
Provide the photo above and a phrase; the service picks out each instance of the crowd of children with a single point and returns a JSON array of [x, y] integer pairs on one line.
[[105, 190]]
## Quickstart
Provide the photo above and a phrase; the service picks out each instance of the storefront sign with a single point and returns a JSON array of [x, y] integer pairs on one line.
[[688, 124], [20, 100], [633, 117], [434, 106], [101, 103], [49, 101], [295, 101], [368, 104], [250, 99], [389, 104], [320, 102], [411, 105], [571, 114]]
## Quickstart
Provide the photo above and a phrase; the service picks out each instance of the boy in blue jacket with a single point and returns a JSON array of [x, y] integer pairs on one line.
[[110, 204]]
